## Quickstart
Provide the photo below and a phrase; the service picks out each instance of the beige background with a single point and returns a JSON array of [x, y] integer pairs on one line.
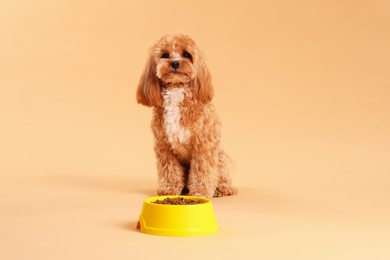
[[303, 88]]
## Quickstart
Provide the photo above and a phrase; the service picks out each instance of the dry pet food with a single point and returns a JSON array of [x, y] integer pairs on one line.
[[178, 201]]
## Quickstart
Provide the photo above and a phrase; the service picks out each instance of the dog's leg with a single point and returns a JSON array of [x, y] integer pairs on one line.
[[203, 174], [224, 186], [171, 175]]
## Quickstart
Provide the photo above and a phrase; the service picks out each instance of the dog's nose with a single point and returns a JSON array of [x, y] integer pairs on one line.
[[175, 64]]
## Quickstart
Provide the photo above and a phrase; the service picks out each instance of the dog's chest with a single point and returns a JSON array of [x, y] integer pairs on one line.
[[176, 133]]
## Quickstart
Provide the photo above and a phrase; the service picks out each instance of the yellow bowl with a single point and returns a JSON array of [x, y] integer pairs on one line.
[[177, 220]]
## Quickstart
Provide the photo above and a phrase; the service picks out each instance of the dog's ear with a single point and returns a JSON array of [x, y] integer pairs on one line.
[[148, 91], [202, 83]]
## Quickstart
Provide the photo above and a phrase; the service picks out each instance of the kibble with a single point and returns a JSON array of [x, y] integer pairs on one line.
[[177, 201]]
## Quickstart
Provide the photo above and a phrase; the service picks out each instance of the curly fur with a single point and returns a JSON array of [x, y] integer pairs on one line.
[[186, 127]]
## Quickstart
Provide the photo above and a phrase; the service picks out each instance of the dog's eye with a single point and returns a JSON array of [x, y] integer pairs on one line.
[[165, 55], [187, 55]]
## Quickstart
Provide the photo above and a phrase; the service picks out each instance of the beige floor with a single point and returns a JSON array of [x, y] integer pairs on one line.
[[303, 90]]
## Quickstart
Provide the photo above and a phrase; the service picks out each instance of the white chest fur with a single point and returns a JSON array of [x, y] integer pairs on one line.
[[174, 130]]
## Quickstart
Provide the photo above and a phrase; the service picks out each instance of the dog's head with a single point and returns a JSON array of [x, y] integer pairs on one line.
[[175, 60]]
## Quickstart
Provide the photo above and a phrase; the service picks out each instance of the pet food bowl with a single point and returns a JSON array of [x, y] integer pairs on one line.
[[177, 220]]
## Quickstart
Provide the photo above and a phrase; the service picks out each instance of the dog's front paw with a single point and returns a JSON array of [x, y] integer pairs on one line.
[[201, 193], [225, 190], [198, 194], [169, 190]]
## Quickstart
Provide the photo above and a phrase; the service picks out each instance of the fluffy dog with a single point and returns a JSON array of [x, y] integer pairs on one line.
[[186, 127]]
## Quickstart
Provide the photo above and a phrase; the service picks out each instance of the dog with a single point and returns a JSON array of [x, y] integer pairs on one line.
[[185, 125]]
